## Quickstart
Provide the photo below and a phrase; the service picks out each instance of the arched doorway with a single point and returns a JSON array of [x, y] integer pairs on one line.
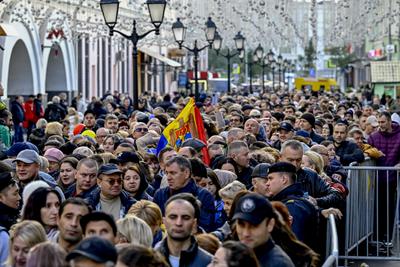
[[55, 79], [20, 74]]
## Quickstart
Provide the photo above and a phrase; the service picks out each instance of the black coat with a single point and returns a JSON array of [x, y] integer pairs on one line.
[[8, 216], [317, 188], [349, 152]]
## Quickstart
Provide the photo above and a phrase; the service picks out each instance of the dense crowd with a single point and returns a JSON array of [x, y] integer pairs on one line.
[[84, 184]]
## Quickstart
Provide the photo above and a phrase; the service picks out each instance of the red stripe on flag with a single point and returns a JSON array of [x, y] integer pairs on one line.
[[202, 135]]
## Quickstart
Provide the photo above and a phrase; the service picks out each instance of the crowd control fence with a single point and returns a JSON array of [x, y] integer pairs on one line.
[[372, 214], [332, 244]]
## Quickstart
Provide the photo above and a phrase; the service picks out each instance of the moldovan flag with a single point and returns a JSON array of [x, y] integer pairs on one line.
[[188, 124]]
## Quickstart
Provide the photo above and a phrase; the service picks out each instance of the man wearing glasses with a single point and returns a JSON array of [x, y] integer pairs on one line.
[[109, 197], [140, 129]]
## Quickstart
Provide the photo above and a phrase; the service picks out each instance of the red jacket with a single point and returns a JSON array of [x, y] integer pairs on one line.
[[29, 113]]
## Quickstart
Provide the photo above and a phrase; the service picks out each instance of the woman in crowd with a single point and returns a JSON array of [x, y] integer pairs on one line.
[[150, 213], [42, 206], [47, 254], [234, 254], [211, 183], [110, 143], [134, 230], [135, 183], [23, 236], [67, 172]]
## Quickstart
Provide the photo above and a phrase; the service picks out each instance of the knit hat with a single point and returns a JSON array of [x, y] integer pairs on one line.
[[309, 117]]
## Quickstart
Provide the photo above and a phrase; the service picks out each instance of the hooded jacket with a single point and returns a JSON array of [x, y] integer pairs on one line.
[[389, 144]]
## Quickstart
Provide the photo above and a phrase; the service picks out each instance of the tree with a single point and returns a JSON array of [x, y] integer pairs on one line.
[[310, 55], [340, 56]]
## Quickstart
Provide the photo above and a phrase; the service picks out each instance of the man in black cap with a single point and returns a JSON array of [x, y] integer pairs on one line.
[[286, 132], [282, 187], [93, 251], [255, 220], [307, 123], [109, 196], [259, 179], [127, 159]]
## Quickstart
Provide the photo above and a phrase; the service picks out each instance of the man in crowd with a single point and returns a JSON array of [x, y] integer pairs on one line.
[[68, 222], [347, 151], [371, 125], [239, 152], [86, 174], [259, 179], [254, 221], [387, 140], [286, 132], [111, 123], [180, 248], [281, 186], [100, 224], [94, 252], [109, 196], [307, 123], [90, 120], [320, 194], [179, 177]]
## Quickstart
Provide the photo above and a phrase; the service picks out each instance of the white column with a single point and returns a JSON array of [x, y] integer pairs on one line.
[[83, 69], [100, 57]]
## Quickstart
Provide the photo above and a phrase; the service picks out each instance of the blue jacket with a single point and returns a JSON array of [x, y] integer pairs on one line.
[[71, 192], [207, 209], [303, 212], [316, 137], [17, 112], [126, 201], [194, 256]]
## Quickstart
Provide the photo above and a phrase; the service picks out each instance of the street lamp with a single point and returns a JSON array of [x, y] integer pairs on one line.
[[239, 43], [279, 62], [254, 60], [273, 67], [179, 32], [110, 8]]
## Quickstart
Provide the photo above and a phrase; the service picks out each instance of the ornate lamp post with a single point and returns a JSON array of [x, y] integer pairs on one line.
[[273, 67], [279, 62], [179, 32], [239, 43], [110, 8]]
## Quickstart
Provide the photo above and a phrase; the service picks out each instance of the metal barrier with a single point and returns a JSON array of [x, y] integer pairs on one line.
[[332, 244], [372, 213]]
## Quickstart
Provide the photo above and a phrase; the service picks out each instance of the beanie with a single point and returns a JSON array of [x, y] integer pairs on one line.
[[310, 118]]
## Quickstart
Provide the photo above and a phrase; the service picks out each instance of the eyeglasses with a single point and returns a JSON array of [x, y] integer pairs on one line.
[[113, 181], [141, 130]]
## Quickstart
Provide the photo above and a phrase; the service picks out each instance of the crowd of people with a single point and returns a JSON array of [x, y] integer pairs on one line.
[[84, 185]]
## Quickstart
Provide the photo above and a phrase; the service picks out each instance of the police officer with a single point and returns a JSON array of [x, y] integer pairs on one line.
[[282, 187]]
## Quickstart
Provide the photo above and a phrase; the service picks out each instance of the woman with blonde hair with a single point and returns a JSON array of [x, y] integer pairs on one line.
[[149, 212], [47, 254], [134, 230], [314, 161], [23, 236]]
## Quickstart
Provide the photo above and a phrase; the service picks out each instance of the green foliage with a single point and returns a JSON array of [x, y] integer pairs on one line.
[[340, 56], [310, 55]]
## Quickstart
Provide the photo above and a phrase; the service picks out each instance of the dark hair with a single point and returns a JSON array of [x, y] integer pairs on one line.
[[163, 151], [220, 161], [141, 256], [191, 150], [214, 179], [36, 201], [71, 160], [386, 114], [74, 201], [239, 255], [97, 216], [189, 198]]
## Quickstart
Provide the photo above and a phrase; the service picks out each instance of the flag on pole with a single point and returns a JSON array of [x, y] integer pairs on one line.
[[188, 124]]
